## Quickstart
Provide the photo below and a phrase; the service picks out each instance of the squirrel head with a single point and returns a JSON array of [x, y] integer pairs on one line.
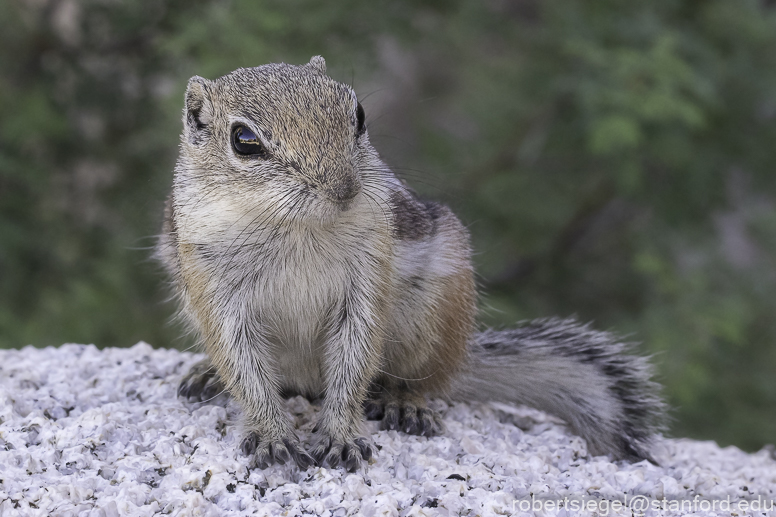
[[277, 132]]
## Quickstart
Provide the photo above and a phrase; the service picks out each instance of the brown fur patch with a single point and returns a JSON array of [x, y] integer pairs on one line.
[[454, 322]]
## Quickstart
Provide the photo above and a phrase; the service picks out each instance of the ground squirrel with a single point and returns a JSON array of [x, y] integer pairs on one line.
[[305, 266]]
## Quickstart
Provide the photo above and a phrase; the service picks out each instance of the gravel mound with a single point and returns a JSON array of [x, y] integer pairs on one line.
[[101, 433]]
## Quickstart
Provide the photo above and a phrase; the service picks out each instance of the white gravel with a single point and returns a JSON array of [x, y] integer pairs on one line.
[[101, 432]]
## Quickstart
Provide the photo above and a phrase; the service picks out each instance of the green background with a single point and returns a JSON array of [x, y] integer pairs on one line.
[[613, 160]]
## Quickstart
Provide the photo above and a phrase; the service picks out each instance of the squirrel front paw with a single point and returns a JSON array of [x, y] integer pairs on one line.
[[268, 452], [334, 452]]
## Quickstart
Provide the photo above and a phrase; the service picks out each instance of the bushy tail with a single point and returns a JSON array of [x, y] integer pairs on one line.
[[585, 377]]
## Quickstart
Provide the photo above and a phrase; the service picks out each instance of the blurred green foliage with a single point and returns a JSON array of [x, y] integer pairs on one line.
[[614, 160]]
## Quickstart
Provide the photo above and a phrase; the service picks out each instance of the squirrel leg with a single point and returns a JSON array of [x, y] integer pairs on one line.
[[243, 362], [352, 355]]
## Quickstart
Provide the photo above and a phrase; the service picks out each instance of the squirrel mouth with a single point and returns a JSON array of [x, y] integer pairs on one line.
[[345, 205]]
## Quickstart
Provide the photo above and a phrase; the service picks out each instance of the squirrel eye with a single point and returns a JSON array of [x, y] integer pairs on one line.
[[246, 142], [360, 127]]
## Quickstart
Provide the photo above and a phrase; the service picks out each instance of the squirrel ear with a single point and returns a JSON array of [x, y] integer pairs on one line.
[[198, 111], [318, 64]]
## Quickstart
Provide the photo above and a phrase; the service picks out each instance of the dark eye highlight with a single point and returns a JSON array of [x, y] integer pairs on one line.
[[360, 127], [246, 143]]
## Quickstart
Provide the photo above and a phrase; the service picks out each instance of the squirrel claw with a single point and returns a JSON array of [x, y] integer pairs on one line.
[[303, 460], [334, 454], [410, 423], [249, 444], [351, 455], [366, 449], [373, 410], [391, 415], [430, 422]]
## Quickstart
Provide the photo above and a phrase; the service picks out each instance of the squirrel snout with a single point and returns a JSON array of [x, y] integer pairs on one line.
[[343, 190]]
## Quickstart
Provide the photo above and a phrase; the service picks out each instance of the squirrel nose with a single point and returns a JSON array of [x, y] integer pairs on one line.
[[344, 189]]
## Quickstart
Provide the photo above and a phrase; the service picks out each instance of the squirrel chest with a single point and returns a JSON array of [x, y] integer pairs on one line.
[[299, 279]]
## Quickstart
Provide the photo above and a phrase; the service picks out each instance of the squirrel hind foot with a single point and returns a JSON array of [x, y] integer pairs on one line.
[[406, 414], [201, 383]]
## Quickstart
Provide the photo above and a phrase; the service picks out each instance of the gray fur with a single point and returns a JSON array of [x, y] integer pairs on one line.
[[582, 375], [308, 267]]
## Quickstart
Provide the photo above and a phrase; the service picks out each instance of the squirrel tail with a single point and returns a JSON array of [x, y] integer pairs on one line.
[[583, 376]]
